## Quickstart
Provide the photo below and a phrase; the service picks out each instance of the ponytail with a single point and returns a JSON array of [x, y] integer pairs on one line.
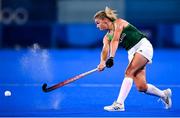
[[111, 14], [107, 13]]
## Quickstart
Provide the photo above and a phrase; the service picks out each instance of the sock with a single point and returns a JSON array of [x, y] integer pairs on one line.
[[152, 90], [125, 89]]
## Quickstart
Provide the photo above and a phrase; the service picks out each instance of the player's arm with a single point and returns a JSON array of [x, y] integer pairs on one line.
[[104, 53], [114, 43], [105, 49]]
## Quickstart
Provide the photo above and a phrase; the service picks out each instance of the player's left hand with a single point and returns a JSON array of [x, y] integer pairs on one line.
[[101, 66], [110, 62]]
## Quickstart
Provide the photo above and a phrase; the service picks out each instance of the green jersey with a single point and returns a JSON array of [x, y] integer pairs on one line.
[[130, 36]]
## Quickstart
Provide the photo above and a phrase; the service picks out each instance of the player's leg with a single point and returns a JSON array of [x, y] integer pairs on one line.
[[136, 64], [140, 80], [142, 86]]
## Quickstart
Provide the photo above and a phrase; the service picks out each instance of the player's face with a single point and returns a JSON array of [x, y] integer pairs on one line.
[[101, 24]]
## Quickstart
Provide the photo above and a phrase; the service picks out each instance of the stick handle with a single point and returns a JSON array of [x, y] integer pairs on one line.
[[68, 81], [76, 77]]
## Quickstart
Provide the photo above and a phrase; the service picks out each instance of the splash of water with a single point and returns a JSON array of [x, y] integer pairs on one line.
[[57, 100], [36, 63]]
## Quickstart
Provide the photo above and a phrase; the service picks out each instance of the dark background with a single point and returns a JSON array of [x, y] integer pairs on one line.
[[69, 23]]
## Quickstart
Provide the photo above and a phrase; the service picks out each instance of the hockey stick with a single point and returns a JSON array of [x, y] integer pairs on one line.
[[48, 89]]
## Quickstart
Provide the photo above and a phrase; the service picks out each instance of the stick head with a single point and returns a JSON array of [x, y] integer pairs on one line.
[[44, 87]]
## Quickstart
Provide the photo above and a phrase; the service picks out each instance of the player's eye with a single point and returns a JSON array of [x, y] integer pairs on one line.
[[97, 22]]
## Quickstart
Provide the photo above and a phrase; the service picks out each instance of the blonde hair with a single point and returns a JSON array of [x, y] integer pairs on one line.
[[107, 13]]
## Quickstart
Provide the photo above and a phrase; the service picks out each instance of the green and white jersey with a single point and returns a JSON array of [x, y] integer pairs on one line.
[[130, 36]]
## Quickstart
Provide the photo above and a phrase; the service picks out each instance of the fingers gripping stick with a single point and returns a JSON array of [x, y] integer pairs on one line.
[[48, 89]]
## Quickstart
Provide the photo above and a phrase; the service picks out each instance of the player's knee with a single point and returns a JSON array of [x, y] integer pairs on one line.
[[130, 72]]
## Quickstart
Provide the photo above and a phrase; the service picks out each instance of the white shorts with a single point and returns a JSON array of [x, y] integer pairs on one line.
[[144, 48]]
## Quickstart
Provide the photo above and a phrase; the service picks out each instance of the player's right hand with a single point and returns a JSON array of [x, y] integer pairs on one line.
[[101, 66]]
